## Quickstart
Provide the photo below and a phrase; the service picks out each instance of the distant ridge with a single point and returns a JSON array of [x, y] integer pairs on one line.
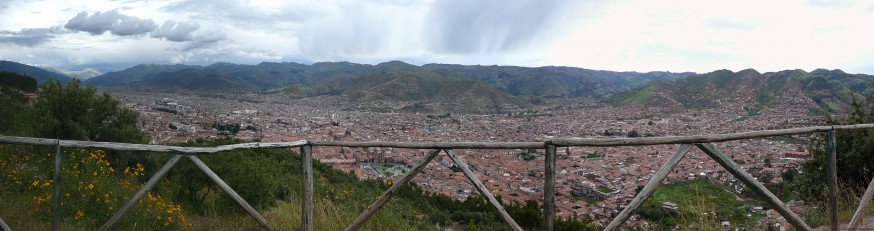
[[829, 89], [544, 82], [554, 82], [41, 75], [138, 75], [430, 92]]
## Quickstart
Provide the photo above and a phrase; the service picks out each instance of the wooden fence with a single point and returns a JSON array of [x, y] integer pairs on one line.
[[702, 142]]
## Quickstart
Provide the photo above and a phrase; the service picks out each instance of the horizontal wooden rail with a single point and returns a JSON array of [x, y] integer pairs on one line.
[[699, 138], [562, 142], [434, 145], [146, 147]]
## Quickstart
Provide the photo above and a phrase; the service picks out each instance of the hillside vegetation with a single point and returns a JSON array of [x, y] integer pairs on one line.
[[41, 75], [830, 90]]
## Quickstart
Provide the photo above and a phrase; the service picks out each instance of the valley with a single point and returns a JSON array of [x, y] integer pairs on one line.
[[174, 117]]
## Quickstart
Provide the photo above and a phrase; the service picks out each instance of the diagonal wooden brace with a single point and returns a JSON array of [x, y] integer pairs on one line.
[[140, 194], [483, 190], [751, 182], [650, 187], [224, 186], [387, 195], [4, 226]]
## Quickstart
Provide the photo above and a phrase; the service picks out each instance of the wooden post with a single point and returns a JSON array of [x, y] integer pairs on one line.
[[483, 190], [306, 213], [549, 187], [387, 195], [650, 187], [751, 182], [4, 226], [225, 187], [863, 205], [56, 189], [831, 150], [140, 194]]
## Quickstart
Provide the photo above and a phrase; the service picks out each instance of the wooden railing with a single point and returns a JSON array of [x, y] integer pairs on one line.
[[702, 142]]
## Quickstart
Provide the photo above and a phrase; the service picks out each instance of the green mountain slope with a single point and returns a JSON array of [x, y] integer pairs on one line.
[[425, 88], [134, 76], [194, 79], [830, 90], [41, 75], [552, 82]]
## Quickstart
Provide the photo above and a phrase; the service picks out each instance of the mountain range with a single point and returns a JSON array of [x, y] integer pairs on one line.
[[452, 87], [40, 74], [549, 82], [831, 90], [487, 88]]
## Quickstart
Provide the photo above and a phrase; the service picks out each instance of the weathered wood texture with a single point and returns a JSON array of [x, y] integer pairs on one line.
[[434, 145], [56, 189], [757, 187], [483, 190], [146, 147], [387, 195], [863, 205], [549, 188], [831, 150], [4, 226], [699, 138], [442, 145], [649, 188], [224, 186], [306, 213], [141, 193]]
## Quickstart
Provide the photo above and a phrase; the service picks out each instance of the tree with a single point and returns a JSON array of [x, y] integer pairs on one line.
[[854, 156], [77, 113], [768, 162]]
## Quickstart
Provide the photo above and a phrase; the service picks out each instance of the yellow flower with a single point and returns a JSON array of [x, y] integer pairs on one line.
[[90, 186], [35, 183], [80, 213]]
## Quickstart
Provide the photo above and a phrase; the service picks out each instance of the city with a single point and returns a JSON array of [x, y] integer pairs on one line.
[[592, 182]]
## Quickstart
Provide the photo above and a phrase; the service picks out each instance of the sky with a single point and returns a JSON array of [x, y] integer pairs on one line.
[[619, 35]]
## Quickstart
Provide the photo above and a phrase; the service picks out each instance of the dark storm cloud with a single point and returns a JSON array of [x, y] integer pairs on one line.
[[176, 32], [112, 21], [243, 12], [461, 26], [203, 40], [31, 36], [187, 33]]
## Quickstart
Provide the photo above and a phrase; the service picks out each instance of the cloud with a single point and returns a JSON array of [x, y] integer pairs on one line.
[[203, 40], [246, 12], [30, 37], [460, 26], [188, 32], [176, 32], [112, 21]]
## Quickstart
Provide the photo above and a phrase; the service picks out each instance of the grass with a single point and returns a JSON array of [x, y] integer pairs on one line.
[[635, 96], [284, 216], [701, 204], [817, 213], [603, 189]]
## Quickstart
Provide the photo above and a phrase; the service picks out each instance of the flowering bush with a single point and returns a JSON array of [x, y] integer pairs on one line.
[[93, 190]]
